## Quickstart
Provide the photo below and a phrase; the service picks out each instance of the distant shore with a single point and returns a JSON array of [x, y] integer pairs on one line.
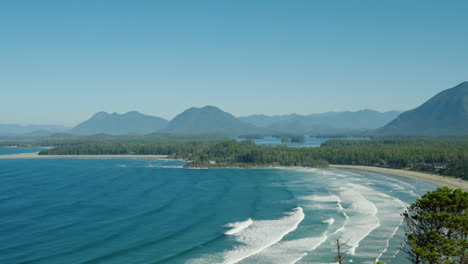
[[37, 156], [438, 180]]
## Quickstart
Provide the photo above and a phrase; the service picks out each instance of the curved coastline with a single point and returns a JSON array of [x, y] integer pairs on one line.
[[438, 180], [302, 244]]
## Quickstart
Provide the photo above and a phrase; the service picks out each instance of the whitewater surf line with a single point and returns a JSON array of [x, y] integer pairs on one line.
[[265, 227], [239, 226]]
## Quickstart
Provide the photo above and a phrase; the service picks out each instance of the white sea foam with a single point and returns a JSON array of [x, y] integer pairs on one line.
[[299, 258], [363, 220], [238, 226], [262, 234], [372, 220], [323, 202], [258, 236], [388, 242], [341, 209], [290, 251], [322, 198]]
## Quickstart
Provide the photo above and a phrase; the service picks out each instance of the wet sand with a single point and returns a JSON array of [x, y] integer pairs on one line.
[[438, 180]]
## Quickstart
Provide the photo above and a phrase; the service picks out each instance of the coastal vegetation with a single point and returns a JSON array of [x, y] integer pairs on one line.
[[226, 153], [64, 139], [437, 227], [444, 156]]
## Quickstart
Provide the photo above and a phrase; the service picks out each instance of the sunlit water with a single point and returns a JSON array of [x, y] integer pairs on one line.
[[154, 211]]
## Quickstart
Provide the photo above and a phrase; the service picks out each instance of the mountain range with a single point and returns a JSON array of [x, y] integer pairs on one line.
[[211, 120], [445, 114], [7, 130], [330, 122]]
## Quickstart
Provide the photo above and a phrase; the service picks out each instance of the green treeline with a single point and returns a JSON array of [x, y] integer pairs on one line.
[[446, 156], [227, 153], [63, 139]]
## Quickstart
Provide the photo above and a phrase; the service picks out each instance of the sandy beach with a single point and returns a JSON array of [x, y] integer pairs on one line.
[[438, 180], [36, 156]]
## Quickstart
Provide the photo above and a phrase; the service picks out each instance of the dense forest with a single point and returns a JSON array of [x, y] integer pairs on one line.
[[64, 139], [226, 153], [445, 156]]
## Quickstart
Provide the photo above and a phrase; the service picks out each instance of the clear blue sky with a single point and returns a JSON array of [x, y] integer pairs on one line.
[[62, 61]]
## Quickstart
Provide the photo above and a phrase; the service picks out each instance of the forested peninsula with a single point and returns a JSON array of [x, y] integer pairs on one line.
[[444, 156]]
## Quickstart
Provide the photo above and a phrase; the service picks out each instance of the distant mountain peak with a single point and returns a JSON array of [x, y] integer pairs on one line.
[[130, 122], [100, 115], [209, 120], [210, 107], [205, 108]]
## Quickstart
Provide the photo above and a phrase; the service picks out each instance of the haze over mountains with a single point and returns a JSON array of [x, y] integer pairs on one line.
[[330, 122], [30, 130], [129, 123], [211, 120], [445, 114]]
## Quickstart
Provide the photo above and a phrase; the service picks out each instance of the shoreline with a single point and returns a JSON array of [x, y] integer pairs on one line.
[[439, 180], [35, 155]]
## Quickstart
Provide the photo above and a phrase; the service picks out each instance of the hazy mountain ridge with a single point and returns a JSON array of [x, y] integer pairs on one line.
[[329, 122], [14, 129], [129, 123], [445, 114]]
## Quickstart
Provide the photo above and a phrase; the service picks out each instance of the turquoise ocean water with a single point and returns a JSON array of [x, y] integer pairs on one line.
[[153, 211], [11, 151]]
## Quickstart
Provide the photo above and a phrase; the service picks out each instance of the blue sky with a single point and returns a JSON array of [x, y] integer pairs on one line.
[[62, 61]]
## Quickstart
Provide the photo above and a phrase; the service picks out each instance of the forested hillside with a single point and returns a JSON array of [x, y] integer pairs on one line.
[[445, 114]]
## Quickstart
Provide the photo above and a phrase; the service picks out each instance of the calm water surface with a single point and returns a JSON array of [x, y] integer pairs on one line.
[[11, 151]]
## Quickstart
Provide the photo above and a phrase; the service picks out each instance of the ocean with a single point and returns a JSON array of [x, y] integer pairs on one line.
[[150, 211], [11, 151]]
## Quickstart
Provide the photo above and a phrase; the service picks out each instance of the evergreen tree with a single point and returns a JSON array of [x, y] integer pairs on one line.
[[437, 227]]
